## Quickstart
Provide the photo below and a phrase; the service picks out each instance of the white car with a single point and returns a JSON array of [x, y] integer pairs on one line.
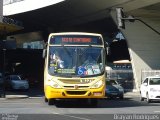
[[150, 89], [16, 83]]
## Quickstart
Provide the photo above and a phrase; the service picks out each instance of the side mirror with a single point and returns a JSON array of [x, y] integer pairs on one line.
[[107, 48], [44, 53], [145, 84]]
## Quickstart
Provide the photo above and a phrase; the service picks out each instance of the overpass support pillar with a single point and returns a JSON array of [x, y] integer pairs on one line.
[[143, 45]]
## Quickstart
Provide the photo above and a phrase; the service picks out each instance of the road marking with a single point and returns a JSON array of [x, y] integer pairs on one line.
[[80, 118]]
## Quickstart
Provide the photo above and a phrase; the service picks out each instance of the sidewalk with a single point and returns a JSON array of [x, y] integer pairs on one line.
[[132, 94], [14, 97], [23, 94]]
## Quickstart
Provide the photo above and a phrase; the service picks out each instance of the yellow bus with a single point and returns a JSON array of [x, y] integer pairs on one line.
[[74, 67]]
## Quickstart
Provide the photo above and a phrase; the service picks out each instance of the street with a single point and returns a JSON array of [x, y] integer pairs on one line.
[[76, 110]]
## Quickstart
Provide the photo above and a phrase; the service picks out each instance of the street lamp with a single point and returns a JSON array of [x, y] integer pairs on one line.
[[121, 18]]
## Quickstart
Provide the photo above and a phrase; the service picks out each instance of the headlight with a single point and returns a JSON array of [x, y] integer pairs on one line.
[[97, 84], [54, 84]]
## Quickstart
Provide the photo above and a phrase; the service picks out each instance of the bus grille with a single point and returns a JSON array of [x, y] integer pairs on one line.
[[76, 81], [76, 92], [81, 87]]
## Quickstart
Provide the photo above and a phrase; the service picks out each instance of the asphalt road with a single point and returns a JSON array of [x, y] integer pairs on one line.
[[35, 108]]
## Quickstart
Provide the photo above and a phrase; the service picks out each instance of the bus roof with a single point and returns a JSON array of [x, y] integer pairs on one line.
[[75, 33]]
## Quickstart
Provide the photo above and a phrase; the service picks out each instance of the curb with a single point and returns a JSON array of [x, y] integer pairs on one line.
[[132, 94], [16, 96], [2, 98]]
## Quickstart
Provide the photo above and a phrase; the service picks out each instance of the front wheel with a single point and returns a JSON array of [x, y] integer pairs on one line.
[[45, 99], [121, 96], [148, 100], [141, 98]]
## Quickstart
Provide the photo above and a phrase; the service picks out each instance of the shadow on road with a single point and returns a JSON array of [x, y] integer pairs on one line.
[[107, 103]]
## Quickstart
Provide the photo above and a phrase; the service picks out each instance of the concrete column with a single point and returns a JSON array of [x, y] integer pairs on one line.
[[1, 10], [143, 45]]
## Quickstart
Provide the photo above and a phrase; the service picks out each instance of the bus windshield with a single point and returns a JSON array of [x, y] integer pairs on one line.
[[75, 61]]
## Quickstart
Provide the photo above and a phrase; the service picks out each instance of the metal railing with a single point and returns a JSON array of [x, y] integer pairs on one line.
[[147, 73]]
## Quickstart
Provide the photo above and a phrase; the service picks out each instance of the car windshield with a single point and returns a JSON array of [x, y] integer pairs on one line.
[[154, 81], [75, 61]]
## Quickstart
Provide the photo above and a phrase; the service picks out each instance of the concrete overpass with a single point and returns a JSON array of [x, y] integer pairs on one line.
[[99, 16]]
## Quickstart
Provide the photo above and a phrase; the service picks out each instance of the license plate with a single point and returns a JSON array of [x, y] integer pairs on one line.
[[114, 93]]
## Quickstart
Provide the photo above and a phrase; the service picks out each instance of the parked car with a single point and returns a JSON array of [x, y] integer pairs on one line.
[[114, 89], [16, 83], [32, 80], [150, 89]]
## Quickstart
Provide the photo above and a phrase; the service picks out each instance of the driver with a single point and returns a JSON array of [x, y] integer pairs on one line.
[[86, 68], [57, 61]]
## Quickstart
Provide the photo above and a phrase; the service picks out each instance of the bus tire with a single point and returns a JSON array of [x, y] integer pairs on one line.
[[45, 99], [121, 97], [51, 101]]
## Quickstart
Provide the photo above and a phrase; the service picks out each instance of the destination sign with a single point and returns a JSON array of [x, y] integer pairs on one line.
[[76, 40]]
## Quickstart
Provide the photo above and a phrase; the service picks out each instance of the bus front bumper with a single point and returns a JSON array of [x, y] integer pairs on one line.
[[74, 93]]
